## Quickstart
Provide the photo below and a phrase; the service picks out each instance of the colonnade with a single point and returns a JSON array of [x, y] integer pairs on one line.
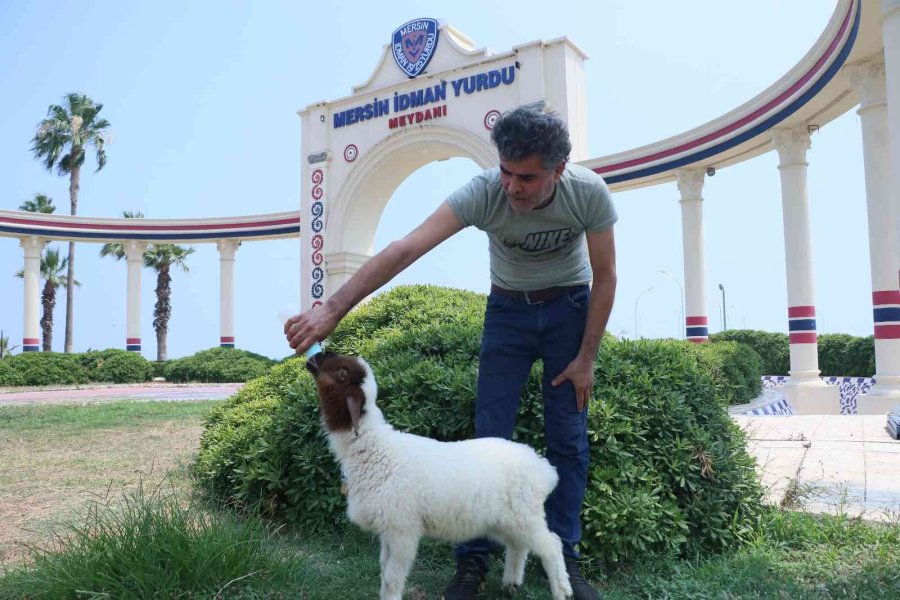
[[33, 247], [876, 82]]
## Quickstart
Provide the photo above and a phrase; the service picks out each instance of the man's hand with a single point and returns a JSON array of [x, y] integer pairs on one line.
[[307, 328], [581, 373]]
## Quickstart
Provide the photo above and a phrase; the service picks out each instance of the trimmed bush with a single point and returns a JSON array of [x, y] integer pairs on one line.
[[8, 375], [773, 348], [735, 370], [159, 368], [116, 366], [669, 469], [43, 368], [218, 365], [845, 355]]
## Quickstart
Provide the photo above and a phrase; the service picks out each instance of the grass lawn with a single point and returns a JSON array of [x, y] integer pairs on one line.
[[98, 468], [58, 458]]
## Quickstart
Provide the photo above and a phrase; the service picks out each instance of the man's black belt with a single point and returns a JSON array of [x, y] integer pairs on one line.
[[534, 296]]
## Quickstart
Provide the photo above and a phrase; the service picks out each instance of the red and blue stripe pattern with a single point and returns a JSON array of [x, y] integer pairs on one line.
[[697, 329], [133, 344], [31, 344], [802, 324], [226, 341], [66, 227], [886, 311], [756, 121]]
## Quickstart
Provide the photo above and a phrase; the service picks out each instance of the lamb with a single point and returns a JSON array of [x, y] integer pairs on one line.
[[403, 487]]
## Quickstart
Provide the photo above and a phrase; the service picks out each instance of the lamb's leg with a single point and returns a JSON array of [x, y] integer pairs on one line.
[[398, 552], [548, 547], [514, 568]]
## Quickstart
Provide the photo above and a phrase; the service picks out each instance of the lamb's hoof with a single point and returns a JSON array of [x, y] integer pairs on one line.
[[510, 590]]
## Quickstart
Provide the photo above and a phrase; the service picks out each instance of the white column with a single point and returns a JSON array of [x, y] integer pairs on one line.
[[867, 80], [31, 308], [890, 32], [792, 145], [696, 320], [134, 257], [227, 249]]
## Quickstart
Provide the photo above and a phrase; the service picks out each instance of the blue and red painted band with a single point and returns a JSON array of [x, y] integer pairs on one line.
[[697, 328], [886, 314], [802, 324], [226, 341], [31, 344]]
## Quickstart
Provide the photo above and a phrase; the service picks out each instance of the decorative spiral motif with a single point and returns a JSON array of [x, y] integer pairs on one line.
[[351, 152], [490, 119], [317, 209], [318, 275], [317, 243], [316, 223]]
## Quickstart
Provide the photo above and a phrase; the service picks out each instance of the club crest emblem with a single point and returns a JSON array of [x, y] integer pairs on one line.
[[413, 45]]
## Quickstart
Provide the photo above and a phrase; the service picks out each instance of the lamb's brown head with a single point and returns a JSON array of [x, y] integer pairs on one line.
[[344, 383]]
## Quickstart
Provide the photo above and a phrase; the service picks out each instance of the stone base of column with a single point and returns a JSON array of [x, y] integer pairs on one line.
[[882, 398], [812, 396]]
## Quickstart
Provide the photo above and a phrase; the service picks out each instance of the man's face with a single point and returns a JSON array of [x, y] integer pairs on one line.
[[528, 185]]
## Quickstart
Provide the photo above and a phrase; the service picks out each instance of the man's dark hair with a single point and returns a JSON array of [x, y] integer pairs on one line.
[[528, 130]]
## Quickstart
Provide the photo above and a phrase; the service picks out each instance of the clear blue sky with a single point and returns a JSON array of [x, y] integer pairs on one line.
[[202, 98]]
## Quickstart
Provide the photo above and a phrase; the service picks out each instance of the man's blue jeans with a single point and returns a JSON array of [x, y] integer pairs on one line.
[[516, 334]]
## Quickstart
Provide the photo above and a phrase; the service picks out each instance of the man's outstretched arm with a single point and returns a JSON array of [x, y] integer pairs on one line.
[[314, 325]]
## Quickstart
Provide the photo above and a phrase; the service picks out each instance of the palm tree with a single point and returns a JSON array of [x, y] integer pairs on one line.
[[161, 258], [40, 203], [5, 348], [52, 269], [61, 140]]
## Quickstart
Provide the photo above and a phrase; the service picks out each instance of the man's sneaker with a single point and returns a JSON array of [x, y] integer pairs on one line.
[[581, 589], [468, 580]]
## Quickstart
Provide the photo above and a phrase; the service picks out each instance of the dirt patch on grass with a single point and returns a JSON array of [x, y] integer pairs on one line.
[[48, 480]]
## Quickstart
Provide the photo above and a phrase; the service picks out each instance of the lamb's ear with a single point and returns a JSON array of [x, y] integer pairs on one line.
[[354, 405]]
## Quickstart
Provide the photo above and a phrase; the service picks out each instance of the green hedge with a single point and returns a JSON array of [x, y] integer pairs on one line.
[[218, 365], [840, 355], [735, 370], [116, 366], [54, 368], [43, 368], [773, 348], [846, 355], [669, 469]]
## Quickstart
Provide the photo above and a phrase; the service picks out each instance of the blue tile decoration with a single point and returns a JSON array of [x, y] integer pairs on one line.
[[773, 402]]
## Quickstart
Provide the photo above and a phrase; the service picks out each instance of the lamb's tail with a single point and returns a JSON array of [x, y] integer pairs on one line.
[[547, 476]]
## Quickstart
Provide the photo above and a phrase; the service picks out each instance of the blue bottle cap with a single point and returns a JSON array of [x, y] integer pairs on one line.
[[313, 350]]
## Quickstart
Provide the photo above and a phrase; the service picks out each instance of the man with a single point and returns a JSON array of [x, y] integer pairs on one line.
[[550, 230]]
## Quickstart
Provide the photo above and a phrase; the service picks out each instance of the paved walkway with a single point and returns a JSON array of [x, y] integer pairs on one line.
[[828, 463], [109, 393]]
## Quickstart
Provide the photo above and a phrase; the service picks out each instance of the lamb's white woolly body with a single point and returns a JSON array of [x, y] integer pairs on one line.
[[403, 487]]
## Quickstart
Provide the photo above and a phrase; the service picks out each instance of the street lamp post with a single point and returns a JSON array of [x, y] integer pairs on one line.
[[636, 310], [681, 303], [724, 320]]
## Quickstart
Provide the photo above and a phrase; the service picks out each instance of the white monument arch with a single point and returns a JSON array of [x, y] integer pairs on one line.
[[358, 149]]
